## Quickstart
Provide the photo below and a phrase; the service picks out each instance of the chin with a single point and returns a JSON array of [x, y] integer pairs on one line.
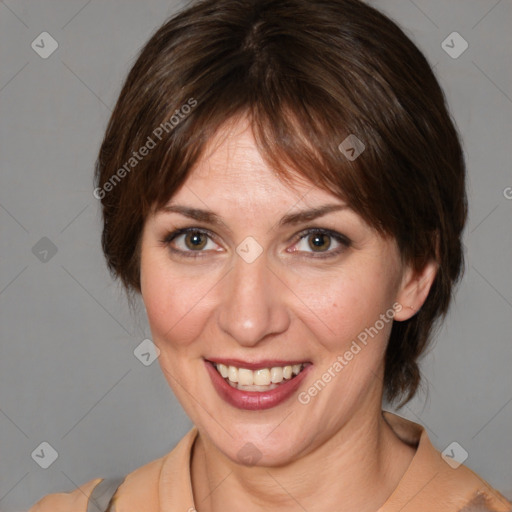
[[259, 445]]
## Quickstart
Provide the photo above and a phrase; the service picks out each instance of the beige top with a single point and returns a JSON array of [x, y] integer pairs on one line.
[[429, 484]]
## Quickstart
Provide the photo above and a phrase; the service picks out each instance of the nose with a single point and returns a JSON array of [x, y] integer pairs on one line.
[[253, 305]]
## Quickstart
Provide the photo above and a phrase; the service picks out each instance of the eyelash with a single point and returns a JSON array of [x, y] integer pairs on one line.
[[342, 239]]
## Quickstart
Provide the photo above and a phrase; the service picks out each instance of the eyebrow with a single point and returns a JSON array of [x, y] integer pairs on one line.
[[290, 219]]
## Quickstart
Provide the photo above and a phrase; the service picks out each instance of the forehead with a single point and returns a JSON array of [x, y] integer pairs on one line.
[[232, 166]]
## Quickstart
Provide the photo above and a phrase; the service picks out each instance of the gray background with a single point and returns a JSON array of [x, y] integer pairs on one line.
[[68, 374]]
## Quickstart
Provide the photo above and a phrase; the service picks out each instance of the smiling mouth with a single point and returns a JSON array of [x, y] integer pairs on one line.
[[262, 379]]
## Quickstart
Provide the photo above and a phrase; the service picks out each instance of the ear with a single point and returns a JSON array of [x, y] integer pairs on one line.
[[414, 288]]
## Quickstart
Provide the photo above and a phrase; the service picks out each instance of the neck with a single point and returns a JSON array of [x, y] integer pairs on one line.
[[357, 469]]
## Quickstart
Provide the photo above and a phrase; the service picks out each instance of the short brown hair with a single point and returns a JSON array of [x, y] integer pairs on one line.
[[307, 75]]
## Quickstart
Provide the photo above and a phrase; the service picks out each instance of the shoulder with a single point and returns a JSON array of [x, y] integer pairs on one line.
[[437, 481], [145, 477], [139, 490], [461, 486], [64, 502], [492, 502], [477, 493]]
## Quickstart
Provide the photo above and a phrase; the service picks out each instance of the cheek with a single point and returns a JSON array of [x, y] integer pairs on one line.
[[346, 305], [175, 303]]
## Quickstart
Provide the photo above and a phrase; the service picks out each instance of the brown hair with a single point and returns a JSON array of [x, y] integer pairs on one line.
[[307, 74]]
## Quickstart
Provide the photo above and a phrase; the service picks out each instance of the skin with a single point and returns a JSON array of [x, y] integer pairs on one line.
[[336, 452]]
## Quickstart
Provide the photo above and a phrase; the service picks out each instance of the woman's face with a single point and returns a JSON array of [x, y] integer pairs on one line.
[[252, 289]]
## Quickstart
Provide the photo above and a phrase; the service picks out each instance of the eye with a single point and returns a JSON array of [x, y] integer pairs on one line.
[[314, 242], [319, 242], [190, 242]]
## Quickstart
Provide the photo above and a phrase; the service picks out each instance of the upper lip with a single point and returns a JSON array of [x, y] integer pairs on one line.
[[255, 365]]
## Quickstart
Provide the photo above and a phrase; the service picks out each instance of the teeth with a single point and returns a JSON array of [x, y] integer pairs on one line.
[[276, 374], [233, 374], [245, 377], [253, 388], [223, 369], [262, 377]]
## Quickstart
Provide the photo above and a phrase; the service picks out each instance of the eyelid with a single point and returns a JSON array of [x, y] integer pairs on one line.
[[342, 239], [168, 238], [339, 237], [325, 231]]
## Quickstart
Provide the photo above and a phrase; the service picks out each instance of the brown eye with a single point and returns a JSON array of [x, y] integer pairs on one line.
[[195, 240], [191, 242], [319, 242]]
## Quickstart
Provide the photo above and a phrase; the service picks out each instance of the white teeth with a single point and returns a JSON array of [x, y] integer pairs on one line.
[[263, 377], [223, 370], [252, 388], [244, 377], [276, 374], [233, 374]]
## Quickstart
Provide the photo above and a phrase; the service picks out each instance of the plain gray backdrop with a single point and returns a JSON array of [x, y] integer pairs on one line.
[[68, 373]]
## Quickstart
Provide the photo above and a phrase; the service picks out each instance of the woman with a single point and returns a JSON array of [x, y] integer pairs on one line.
[[282, 183]]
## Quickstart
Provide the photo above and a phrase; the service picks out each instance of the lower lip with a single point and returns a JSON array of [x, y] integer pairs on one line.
[[254, 400]]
